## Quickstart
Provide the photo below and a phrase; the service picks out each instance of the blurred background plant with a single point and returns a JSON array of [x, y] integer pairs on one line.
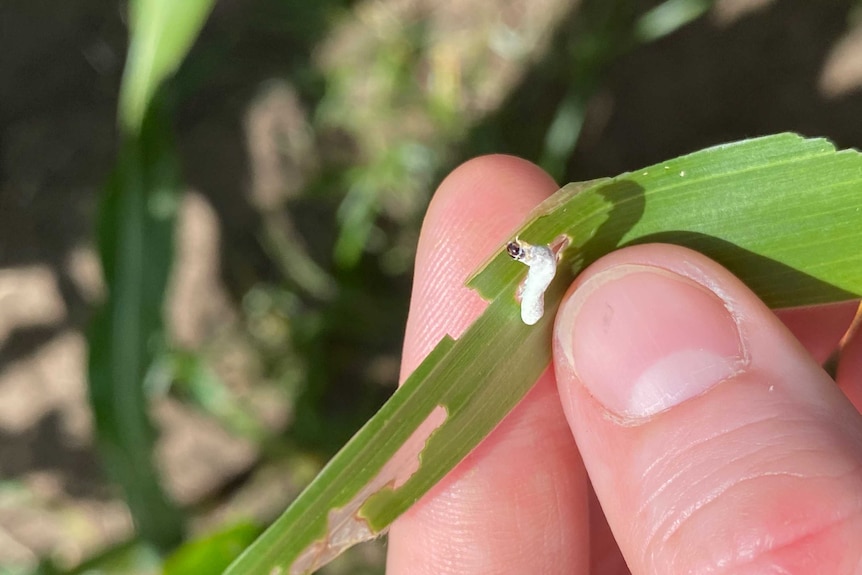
[[277, 184]]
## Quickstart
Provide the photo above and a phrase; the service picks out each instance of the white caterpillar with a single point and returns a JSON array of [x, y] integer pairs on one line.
[[543, 266]]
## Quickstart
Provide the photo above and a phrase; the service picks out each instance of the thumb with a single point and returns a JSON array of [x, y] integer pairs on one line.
[[715, 444]]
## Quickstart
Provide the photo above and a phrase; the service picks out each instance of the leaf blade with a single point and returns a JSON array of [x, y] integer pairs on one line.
[[136, 224], [162, 31]]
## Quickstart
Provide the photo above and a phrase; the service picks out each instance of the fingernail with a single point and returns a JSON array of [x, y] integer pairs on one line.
[[643, 339]]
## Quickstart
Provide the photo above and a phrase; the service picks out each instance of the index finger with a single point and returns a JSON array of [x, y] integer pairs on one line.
[[518, 502]]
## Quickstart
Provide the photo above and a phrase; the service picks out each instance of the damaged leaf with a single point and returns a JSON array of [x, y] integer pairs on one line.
[[781, 212]]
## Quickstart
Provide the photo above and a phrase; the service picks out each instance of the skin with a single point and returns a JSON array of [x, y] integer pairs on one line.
[[785, 497]]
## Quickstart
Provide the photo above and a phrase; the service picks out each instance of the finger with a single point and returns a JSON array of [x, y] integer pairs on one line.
[[714, 442], [819, 328], [517, 504], [605, 555], [849, 376]]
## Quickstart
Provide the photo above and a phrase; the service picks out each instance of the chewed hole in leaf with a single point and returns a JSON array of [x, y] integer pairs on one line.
[[345, 526]]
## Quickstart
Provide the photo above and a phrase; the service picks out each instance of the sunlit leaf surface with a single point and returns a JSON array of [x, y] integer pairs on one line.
[[161, 33]]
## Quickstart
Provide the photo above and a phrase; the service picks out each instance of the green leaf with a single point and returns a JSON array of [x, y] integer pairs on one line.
[[136, 224], [211, 554], [781, 212], [162, 31], [136, 247]]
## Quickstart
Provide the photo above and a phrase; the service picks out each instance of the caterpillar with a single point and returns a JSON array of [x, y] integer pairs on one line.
[[543, 267]]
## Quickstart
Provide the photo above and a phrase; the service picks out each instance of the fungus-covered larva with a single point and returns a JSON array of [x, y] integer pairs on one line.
[[543, 266]]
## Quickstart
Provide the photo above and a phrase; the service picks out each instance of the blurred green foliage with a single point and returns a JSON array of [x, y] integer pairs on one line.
[[160, 34], [212, 554], [135, 238], [136, 226]]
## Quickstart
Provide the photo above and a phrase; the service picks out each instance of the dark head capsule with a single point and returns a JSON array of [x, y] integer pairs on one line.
[[515, 250]]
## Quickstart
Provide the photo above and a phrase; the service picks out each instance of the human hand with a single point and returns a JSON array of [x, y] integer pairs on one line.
[[710, 435]]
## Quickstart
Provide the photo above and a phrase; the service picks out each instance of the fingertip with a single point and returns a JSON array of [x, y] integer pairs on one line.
[[849, 376], [819, 328], [486, 177]]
